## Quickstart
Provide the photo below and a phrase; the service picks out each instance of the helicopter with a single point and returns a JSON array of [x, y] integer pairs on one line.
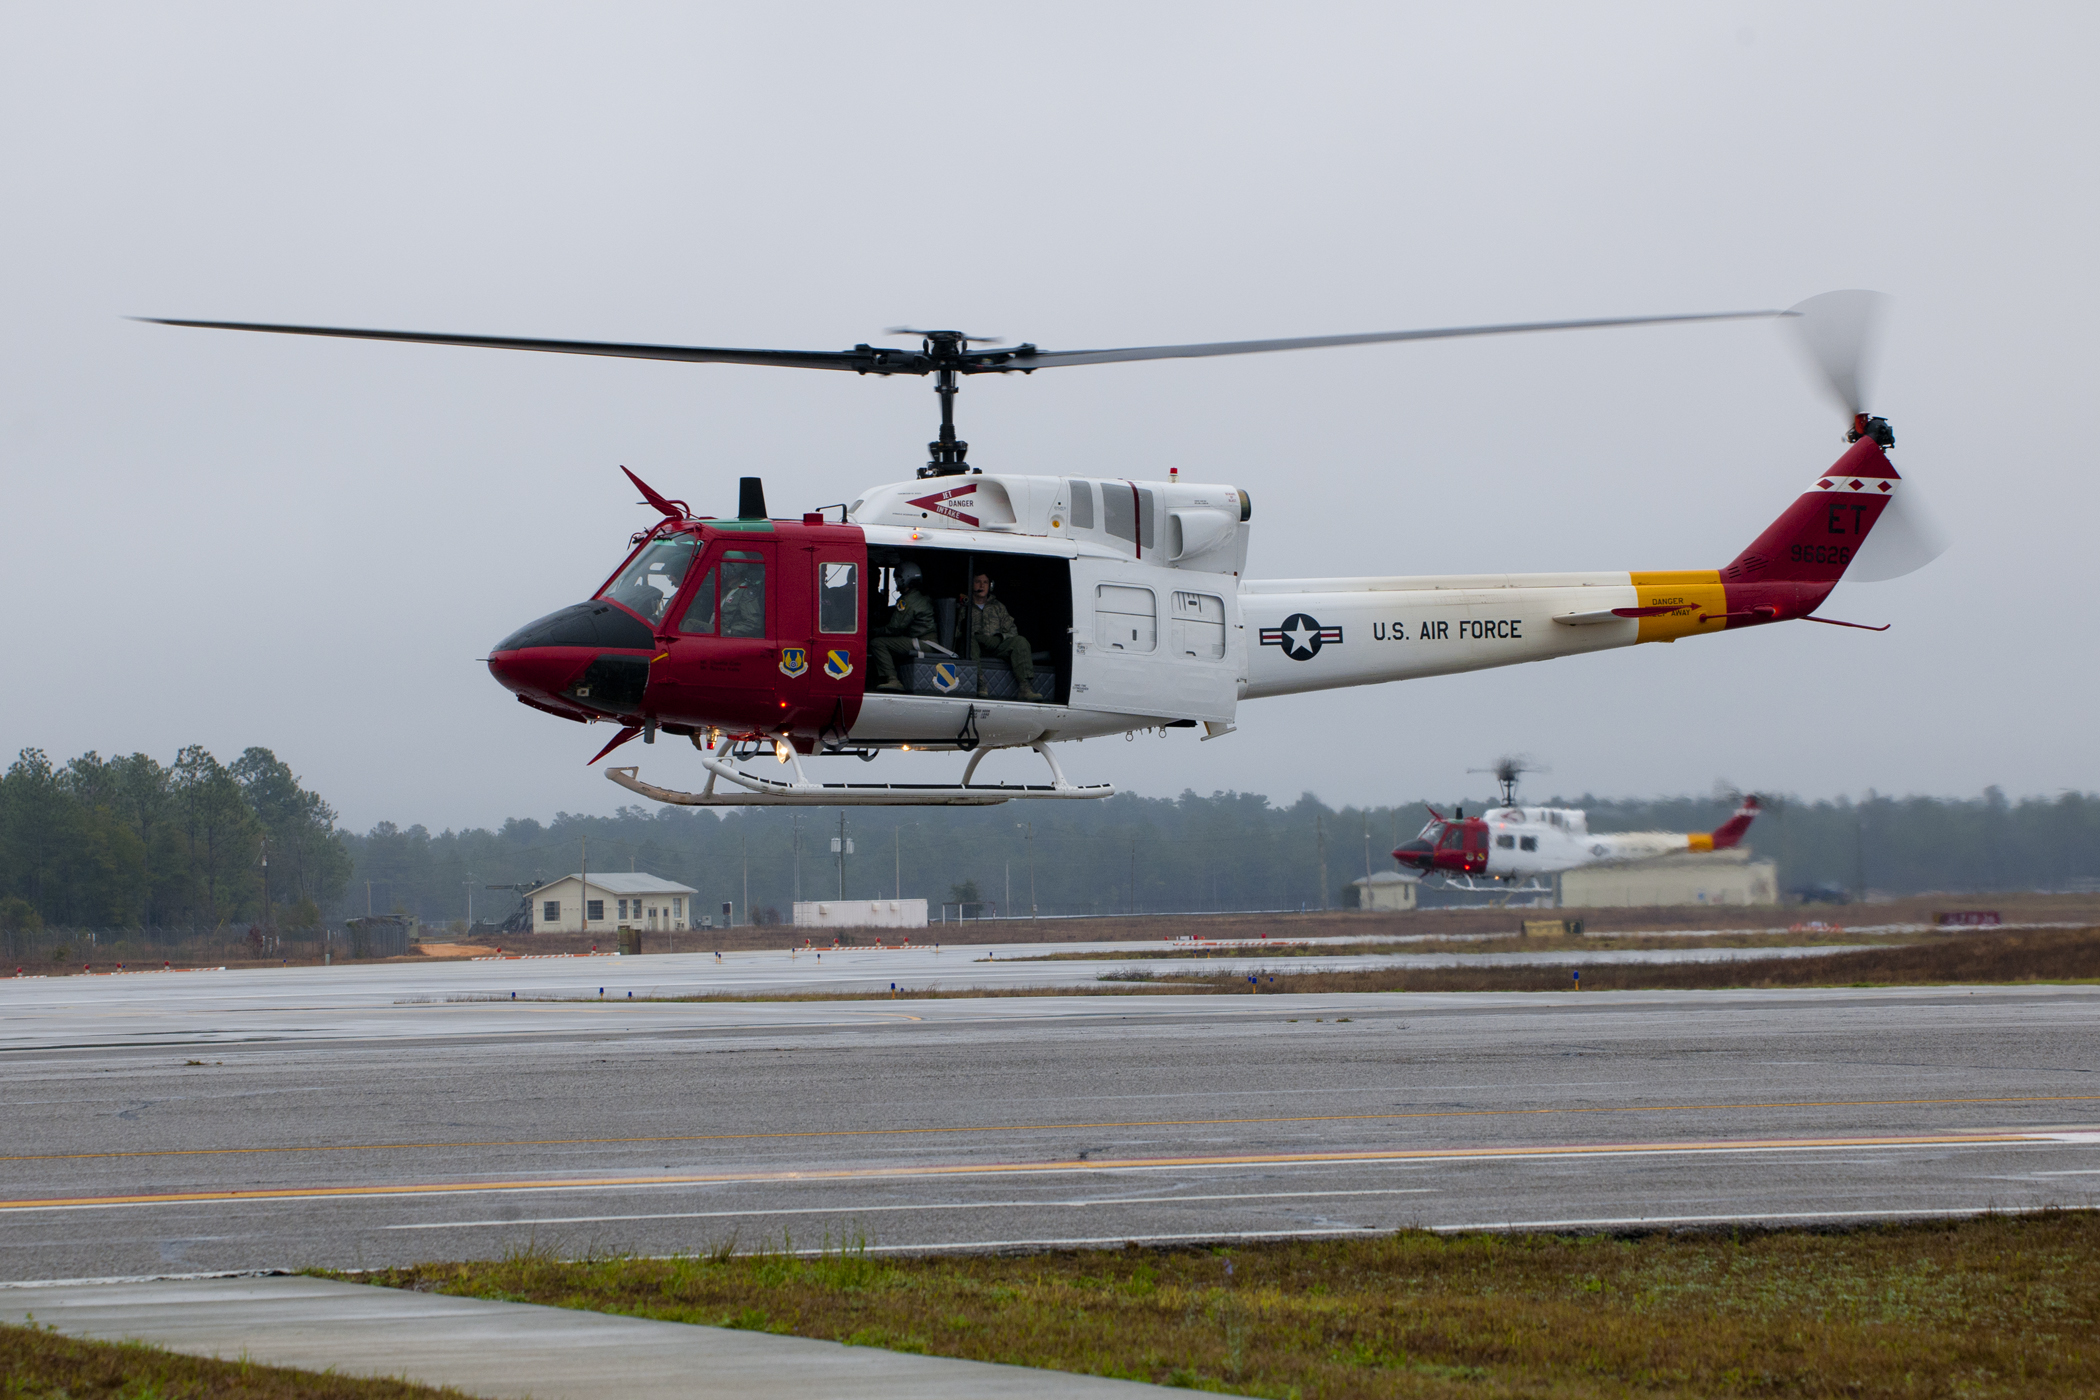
[[1512, 843], [750, 634]]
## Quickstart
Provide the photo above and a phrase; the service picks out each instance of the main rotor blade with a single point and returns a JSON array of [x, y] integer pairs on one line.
[[1837, 332], [1027, 358], [875, 360]]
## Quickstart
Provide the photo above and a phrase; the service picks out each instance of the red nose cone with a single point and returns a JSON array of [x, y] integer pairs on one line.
[[540, 672]]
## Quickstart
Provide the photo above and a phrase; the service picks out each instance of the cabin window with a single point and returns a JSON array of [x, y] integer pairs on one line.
[[594, 910], [743, 594], [1198, 627], [838, 597], [1119, 512], [700, 613], [1082, 507], [1531, 843], [1125, 618], [550, 912], [1506, 843]]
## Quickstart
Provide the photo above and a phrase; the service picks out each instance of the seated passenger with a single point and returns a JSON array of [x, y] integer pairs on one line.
[[910, 623], [992, 633]]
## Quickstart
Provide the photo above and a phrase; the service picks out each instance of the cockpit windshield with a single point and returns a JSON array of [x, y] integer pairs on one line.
[[1454, 836], [649, 583]]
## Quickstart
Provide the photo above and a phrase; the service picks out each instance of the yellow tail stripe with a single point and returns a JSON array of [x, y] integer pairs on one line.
[[1694, 591]]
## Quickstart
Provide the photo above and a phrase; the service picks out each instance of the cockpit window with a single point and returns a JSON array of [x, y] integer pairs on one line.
[[1453, 835], [648, 584]]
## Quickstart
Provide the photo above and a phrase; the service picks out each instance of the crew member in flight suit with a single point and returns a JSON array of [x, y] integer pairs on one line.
[[910, 622], [992, 633]]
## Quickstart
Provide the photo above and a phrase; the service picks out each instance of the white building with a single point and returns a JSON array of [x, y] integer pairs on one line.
[[860, 913], [609, 901], [1385, 890], [1708, 877]]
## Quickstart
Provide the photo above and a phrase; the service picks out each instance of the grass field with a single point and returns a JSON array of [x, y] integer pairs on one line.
[[1998, 1306], [1484, 943], [38, 1364], [2007, 956]]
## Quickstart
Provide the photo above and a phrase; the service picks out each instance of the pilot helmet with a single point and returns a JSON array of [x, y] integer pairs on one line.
[[907, 575]]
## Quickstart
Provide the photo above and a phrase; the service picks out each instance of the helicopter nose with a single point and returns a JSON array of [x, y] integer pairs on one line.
[[537, 672], [1416, 853]]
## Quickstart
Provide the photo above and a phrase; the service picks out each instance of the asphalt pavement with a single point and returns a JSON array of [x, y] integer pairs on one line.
[[361, 1116]]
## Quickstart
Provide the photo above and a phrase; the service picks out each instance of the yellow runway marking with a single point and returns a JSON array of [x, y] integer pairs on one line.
[[1045, 1127], [1255, 1159]]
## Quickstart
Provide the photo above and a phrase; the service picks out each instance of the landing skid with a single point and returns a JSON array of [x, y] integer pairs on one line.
[[747, 789], [1495, 887]]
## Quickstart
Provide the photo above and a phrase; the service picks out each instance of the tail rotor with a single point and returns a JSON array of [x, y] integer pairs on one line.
[[1839, 333]]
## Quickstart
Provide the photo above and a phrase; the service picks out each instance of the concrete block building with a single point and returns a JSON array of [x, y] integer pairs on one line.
[[602, 904], [1709, 877]]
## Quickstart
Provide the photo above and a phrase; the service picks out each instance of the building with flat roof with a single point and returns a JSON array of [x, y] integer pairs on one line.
[[605, 903], [1702, 877], [860, 913]]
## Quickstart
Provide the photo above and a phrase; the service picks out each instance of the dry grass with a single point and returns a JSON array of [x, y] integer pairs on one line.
[[2040, 955], [39, 1364], [2000, 1306], [1486, 944]]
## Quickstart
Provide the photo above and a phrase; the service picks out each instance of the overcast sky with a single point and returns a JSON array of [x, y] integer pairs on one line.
[[238, 540]]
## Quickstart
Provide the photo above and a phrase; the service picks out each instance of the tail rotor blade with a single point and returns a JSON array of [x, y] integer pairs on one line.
[[1837, 330], [1906, 538]]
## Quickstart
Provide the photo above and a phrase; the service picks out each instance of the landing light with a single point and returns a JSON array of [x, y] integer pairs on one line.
[[780, 751]]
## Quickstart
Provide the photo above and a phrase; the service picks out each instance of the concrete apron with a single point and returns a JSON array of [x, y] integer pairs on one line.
[[510, 1349]]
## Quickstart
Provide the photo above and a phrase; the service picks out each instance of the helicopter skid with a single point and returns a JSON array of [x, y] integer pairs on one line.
[[747, 789]]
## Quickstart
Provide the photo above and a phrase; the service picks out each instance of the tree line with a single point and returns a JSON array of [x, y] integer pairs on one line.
[[1226, 851], [129, 843]]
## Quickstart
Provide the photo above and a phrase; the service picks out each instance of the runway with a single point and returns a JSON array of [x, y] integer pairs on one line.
[[354, 1117], [139, 1005]]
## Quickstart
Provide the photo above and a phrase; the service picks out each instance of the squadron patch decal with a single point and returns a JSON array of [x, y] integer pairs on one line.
[[838, 664], [945, 676], [793, 661], [1301, 636]]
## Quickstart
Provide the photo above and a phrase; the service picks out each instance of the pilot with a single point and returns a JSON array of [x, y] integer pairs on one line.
[[910, 623], [992, 633]]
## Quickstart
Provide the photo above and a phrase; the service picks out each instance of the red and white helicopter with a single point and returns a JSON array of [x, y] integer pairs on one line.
[[749, 635], [1511, 843]]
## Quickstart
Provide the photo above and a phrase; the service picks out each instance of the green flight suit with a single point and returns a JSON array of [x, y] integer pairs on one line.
[[910, 622], [993, 634]]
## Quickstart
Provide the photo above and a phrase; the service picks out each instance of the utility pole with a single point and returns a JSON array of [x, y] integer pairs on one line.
[[842, 846], [1028, 840]]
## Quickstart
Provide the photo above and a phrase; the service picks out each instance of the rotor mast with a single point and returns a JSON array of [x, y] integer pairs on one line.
[[947, 453]]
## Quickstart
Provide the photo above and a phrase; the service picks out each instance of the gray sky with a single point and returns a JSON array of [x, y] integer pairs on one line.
[[240, 540]]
